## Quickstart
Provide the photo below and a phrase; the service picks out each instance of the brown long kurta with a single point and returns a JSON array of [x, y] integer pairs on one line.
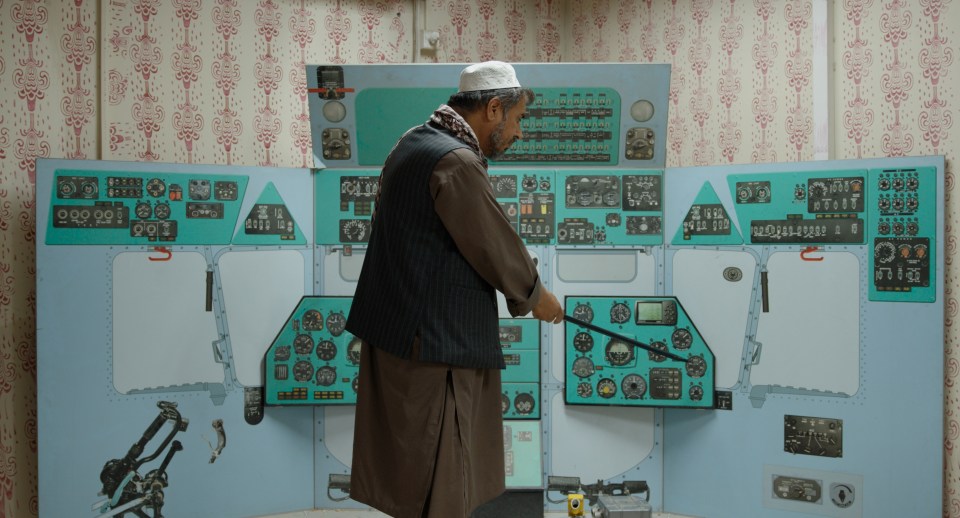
[[428, 438]]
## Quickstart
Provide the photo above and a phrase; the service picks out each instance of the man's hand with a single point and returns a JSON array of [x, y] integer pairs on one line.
[[548, 308]]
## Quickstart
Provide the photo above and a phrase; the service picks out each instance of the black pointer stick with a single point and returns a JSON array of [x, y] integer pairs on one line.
[[630, 341]]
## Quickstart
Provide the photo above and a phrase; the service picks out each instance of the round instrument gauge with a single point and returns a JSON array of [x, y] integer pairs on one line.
[[143, 210], [583, 342], [619, 313], [696, 393], [326, 350], [584, 389], [659, 346], [633, 386], [312, 320], [606, 388], [336, 323], [507, 184], [611, 199], [282, 353], [302, 371], [696, 366], [529, 183], [681, 339], [162, 211], [583, 312], [156, 187], [585, 198], [353, 351], [504, 404], [524, 404], [619, 353], [326, 376], [583, 367], [303, 344], [354, 230]]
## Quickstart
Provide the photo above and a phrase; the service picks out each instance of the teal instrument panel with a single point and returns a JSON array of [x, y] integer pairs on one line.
[[345, 203], [610, 207], [891, 211], [358, 112], [313, 360], [600, 370], [118, 208], [520, 343]]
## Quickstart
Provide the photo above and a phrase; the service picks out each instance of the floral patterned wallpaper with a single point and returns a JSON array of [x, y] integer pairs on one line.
[[222, 82]]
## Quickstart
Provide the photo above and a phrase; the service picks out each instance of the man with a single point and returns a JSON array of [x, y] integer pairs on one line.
[[429, 432]]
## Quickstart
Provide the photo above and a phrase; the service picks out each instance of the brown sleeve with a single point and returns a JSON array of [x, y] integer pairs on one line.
[[465, 203]]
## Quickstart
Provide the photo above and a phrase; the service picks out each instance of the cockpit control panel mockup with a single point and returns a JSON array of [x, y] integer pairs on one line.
[[520, 343], [358, 113], [601, 370], [313, 360]]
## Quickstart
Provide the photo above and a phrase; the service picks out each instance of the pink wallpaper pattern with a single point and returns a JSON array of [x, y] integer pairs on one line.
[[222, 81]]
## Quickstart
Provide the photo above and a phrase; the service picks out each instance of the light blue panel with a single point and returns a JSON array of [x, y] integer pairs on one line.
[[313, 361], [84, 423], [600, 114], [884, 440], [609, 207], [607, 371], [523, 460]]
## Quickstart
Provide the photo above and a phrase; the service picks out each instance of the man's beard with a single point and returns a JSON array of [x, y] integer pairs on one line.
[[496, 142]]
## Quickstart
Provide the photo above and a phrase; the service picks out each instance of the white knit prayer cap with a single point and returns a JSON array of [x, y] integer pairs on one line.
[[489, 75]]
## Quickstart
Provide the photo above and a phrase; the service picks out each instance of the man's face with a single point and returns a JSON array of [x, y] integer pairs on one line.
[[507, 131]]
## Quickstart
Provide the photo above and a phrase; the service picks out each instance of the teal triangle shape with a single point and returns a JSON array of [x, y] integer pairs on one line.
[[269, 222], [707, 222]]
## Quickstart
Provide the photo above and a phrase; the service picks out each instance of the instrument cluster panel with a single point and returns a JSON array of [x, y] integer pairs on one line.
[[358, 112], [114, 208], [610, 207], [600, 370], [345, 203], [520, 343], [313, 360]]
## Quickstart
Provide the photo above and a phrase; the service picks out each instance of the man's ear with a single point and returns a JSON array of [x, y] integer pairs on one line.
[[494, 109]]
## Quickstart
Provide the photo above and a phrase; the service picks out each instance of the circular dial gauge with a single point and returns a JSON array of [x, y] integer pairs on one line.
[[606, 388], [353, 351], [504, 404], [143, 210], [326, 376], [507, 184], [619, 353], [659, 346], [336, 322], [583, 367], [584, 389], [302, 371], [619, 313], [696, 366], [583, 312], [583, 342], [303, 344], [354, 230], [326, 350], [524, 403], [162, 211], [633, 386], [312, 320], [696, 393], [681, 339]]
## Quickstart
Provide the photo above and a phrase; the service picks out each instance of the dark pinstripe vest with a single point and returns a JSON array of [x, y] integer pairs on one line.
[[414, 280]]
